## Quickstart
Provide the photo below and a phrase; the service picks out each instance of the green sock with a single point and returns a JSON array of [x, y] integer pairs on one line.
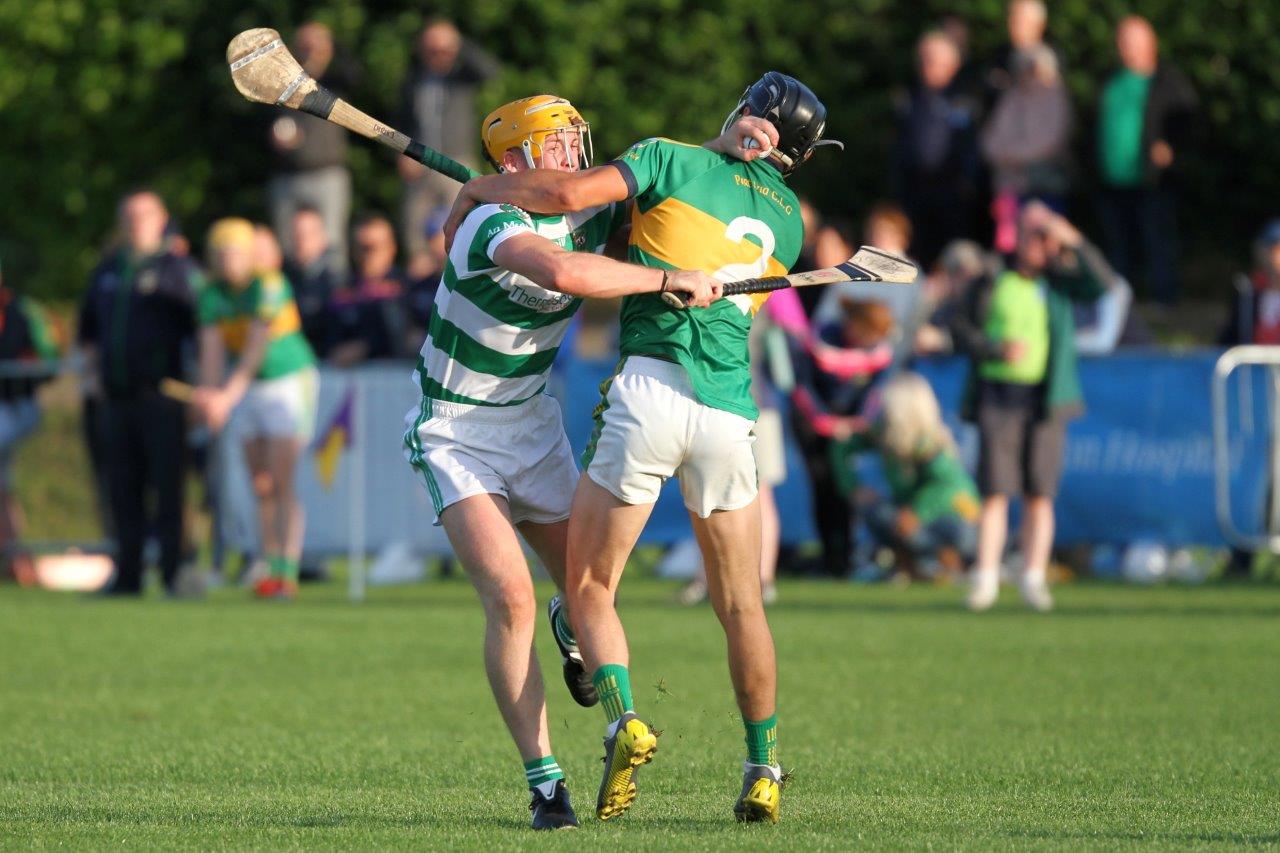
[[540, 771], [290, 569], [613, 684], [762, 741], [276, 566]]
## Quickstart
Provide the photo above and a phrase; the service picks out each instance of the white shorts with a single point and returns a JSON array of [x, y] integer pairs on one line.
[[770, 448], [279, 408], [519, 452], [651, 426]]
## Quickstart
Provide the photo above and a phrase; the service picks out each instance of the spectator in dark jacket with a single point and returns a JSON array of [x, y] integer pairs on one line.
[[1144, 123], [936, 167], [309, 154], [137, 328], [310, 269], [1024, 385], [1255, 312], [366, 319], [438, 109], [28, 356]]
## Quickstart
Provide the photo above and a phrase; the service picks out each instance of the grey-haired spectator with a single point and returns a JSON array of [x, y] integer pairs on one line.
[[1026, 22], [1144, 126], [311, 270], [438, 109], [309, 155], [1024, 385]]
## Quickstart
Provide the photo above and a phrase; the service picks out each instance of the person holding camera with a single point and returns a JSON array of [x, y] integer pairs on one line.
[[1019, 333]]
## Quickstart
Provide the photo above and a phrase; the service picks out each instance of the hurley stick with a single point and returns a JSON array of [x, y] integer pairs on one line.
[[265, 71]]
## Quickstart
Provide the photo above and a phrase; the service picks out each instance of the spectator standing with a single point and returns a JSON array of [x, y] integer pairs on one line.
[[26, 340], [1026, 143], [366, 318], [1023, 386], [312, 271], [1144, 123], [963, 263], [936, 168], [438, 108], [1026, 22], [309, 154], [137, 326]]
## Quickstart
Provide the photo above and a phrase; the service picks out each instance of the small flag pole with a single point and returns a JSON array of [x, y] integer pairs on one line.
[[356, 537]]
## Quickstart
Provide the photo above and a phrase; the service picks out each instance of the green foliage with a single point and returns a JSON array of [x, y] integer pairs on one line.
[[98, 95]]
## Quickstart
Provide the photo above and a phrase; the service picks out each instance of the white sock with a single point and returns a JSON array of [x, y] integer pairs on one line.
[[612, 728]]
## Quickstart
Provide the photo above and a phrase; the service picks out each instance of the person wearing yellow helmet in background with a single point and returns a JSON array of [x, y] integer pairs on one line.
[[487, 440], [248, 320]]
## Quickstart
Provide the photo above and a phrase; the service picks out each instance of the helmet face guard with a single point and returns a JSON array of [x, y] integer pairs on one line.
[[534, 145], [795, 112]]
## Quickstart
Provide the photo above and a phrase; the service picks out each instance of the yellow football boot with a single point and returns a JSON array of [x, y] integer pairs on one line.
[[633, 743]]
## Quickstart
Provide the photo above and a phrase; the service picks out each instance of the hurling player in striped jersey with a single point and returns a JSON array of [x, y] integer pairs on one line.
[[487, 440]]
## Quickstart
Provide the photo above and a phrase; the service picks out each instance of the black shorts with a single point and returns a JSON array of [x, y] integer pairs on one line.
[[1018, 453]]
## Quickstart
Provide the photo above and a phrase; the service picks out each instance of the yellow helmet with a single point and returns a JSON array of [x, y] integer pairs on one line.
[[527, 123]]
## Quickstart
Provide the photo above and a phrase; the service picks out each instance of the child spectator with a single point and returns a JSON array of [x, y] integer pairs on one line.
[[835, 371]]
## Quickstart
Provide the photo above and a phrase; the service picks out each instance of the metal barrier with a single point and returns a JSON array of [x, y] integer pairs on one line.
[[1231, 361]]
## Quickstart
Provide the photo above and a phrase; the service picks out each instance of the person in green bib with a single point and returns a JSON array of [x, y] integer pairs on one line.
[[1024, 386], [248, 317]]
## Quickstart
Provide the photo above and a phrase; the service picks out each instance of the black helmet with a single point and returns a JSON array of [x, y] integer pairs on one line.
[[795, 112]]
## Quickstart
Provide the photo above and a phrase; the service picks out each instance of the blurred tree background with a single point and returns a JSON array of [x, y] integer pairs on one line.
[[100, 95]]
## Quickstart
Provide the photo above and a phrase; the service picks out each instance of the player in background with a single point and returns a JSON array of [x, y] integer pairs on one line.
[[488, 441], [248, 313], [680, 404]]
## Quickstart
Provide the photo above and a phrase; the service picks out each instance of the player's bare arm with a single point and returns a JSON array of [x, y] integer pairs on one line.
[[215, 399], [595, 276], [551, 191]]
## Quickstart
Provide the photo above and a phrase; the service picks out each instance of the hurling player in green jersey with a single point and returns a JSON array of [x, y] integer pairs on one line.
[[248, 317], [488, 441], [680, 405]]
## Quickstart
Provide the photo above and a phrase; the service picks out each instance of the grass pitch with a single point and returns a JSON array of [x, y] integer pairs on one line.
[[1129, 717]]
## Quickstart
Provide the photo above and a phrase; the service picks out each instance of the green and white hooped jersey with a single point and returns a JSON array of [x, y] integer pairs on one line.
[[494, 334]]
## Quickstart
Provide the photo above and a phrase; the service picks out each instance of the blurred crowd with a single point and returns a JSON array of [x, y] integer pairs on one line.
[[981, 174]]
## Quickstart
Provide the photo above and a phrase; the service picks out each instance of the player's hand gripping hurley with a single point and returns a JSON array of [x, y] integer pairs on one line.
[[265, 71], [867, 264]]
